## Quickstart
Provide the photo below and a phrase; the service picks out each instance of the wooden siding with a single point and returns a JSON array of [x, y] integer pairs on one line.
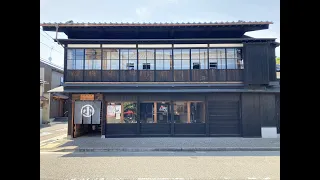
[[256, 63], [195, 75], [194, 128], [200, 75], [92, 75], [181, 75], [110, 76], [154, 128], [74, 76], [146, 76], [268, 110], [123, 129], [251, 123], [224, 118], [219, 75]]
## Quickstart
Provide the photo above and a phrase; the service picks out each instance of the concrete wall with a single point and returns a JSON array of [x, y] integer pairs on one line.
[[55, 79]]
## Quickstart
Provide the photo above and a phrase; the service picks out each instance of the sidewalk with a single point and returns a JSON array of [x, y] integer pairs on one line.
[[97, 144]]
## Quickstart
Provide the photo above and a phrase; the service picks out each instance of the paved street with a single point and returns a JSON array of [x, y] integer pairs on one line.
[[55, 129], [160, 165]]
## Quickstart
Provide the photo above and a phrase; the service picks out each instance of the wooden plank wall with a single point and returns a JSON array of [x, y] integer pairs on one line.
[[256, 63]]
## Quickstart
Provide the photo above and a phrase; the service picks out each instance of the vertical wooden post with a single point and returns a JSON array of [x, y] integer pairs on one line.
[[121, 115], [138, 115], [172, 117], [207, 116], [188, 111], [103, 121], [155, 113]]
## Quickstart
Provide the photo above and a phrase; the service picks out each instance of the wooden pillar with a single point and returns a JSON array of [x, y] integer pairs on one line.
[[155, 111], [121, 115], [70, 116], [207, 116], [188, 112], [138, 116], [172, 117], [103, 120]]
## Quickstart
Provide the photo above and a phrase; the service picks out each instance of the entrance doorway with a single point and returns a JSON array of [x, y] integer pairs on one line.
[[87, 118]]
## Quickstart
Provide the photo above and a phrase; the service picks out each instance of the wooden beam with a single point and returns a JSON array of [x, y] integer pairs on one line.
[[189, 112], [72, 119], [155, 112], [122, 114]]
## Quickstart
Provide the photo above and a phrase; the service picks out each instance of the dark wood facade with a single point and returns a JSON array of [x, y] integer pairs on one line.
[[232, 99]]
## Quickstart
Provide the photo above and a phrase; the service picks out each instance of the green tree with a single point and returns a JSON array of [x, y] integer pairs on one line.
[[277, 60]]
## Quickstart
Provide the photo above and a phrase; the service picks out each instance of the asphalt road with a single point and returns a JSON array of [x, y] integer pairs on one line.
[[160, 165], [54, 130]]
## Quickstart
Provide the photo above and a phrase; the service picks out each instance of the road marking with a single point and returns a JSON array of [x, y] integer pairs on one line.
[[252, 178], [61, 129]]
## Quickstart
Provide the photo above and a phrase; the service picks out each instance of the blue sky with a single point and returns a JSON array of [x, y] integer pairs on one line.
[[155, 11]]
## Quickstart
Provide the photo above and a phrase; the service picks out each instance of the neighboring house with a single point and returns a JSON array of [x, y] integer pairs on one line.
[[52, 105], [169, 79]]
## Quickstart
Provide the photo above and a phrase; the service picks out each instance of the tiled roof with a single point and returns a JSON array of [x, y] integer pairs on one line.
[[71, 23]]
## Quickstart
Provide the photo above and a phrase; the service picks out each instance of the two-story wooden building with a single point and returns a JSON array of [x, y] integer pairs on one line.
[[170, 79]]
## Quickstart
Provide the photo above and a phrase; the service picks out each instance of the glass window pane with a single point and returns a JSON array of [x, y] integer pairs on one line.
[[150, 54], [231, 53], [142, 54], [79, 64], [159, 54], [177, 64], [197, 112], [177, 54], [180, 112], [185, 54], [146, 112], [195, 54], [167, 54], [71, 54], [167, 64], [163, 112], [203, 54], [159, 64], [113, 113], [129, 112], [231, 64], [217, 53], [124, 54], [114, 64], [71, 64], [185, 64], [132, 54]]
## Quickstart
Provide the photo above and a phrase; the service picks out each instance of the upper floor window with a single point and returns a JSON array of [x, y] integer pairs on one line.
[[75, 59], [128, 59], [92, 59], [234, 58], [163, 59], [181, 59], [110, 59], [217, 58], [199, 58], [146, 59]]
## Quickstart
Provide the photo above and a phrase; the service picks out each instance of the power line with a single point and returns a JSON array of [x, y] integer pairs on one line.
[[52, 38], [50, 47]]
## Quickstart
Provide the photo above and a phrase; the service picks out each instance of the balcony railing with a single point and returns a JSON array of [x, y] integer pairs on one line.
[[193, 75]]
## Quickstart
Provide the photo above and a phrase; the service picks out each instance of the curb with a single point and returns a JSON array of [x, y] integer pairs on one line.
[[166, 149]]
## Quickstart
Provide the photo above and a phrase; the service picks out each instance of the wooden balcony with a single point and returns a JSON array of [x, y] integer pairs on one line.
[[196, 75]]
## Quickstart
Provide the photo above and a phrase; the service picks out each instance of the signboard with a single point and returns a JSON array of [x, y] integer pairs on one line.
[[87, 112], [86, 97]]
